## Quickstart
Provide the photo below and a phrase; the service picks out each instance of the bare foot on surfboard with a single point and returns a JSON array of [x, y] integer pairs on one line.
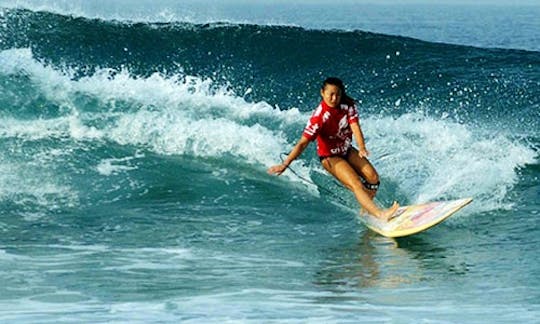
[[384, 215], [387, 214]]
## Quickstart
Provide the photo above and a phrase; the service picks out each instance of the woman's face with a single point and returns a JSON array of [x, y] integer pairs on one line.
[[331, 95]]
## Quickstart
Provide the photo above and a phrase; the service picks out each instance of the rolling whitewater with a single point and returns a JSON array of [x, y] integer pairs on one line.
[[133, 185]]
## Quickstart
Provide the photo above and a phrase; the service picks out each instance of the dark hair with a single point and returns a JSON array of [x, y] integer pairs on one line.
[[345, 99]]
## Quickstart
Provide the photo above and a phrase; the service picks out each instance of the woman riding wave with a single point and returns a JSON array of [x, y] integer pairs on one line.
[[333, 124]]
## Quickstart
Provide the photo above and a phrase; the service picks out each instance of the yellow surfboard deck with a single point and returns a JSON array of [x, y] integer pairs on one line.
[[413, 219]]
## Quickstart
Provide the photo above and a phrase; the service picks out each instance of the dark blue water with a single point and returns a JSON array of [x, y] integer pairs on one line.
[[133, 153]]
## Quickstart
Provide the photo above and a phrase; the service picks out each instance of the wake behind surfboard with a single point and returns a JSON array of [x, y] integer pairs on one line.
[[413, 219]]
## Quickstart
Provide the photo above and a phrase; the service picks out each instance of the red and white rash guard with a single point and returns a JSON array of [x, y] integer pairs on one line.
[[331, 127]]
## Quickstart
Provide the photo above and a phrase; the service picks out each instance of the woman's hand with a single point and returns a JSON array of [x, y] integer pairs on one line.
[[363, 152], [300, 146], [277, 169]]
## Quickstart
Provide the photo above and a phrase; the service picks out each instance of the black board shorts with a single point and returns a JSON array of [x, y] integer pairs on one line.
[[345, 156]]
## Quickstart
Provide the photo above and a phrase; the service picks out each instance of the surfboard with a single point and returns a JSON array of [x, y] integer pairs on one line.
[[413, 219]]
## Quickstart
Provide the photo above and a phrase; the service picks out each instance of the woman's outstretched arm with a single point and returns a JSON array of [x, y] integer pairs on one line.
[[300, 146]]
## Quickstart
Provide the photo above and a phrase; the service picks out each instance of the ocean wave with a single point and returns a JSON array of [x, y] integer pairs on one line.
[[195, 12], [121, 100], [478, 25], [388, 74], [428, 158]]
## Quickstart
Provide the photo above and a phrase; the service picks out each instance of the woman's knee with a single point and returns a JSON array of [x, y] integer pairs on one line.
[[370, 181], [371, 176]]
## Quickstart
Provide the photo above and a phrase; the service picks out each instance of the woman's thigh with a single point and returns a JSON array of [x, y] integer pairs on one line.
[[362, 166], [342, 170]]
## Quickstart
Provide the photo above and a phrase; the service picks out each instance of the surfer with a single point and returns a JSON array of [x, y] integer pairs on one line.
[[333, 124]]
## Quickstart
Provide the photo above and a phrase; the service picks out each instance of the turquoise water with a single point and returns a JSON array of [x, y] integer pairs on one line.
[[135, 140]]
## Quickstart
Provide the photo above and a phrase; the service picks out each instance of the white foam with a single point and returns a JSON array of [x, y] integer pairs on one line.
[[107, 167], [177, 115], [171, 115], [441, 159], [28, 185]]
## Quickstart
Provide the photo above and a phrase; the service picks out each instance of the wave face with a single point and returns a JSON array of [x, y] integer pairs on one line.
[[390, 71], [480, 24], [127, 144]]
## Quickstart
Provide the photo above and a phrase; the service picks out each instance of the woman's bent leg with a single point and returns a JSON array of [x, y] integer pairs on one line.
[[346, 174], [365, 169]]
